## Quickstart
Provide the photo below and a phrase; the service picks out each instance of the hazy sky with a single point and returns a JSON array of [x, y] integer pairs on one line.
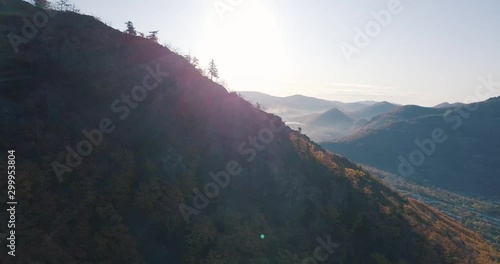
[[429, 51]]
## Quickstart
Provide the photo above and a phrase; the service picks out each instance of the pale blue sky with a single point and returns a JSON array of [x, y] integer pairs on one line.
[[432, 51]]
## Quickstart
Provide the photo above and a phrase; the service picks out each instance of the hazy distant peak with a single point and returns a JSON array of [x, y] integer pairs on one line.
[[448, 105]]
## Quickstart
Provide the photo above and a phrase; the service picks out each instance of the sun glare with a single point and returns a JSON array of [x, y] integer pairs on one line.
[[246, 45]]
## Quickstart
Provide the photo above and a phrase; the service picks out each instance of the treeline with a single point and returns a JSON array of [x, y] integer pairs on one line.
[[210, 71], [60, 5]]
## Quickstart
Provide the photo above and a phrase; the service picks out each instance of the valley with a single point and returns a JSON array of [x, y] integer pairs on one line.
[[413, 140]]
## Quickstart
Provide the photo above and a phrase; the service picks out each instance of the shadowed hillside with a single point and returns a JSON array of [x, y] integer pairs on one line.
[[463, 160], [174, 169]]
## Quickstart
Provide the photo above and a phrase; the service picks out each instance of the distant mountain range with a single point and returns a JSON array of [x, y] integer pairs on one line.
[[297, 105], [465, 162], [320, 119], [381, 134]]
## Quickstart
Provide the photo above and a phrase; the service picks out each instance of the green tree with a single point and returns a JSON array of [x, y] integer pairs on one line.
[[193, 60], [42, 3], [153, 35], [64, 5], [212, 70], [130, 28], [73, 8]]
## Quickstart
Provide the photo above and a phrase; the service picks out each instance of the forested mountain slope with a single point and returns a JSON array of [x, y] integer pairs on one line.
[[178, 170]]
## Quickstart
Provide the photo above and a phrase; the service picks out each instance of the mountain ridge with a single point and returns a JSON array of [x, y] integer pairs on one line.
[[371, 111], [301, 102], [396, 133], [122, 202]]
